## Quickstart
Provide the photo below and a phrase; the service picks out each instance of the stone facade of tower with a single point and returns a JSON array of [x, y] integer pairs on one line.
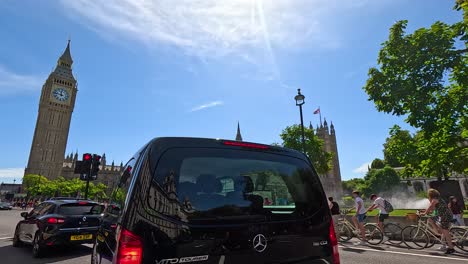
[[331, 181], [56, 106]]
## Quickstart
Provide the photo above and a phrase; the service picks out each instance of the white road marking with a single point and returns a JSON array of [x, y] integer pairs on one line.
[[2, 238], [404, 253], [221, 260]]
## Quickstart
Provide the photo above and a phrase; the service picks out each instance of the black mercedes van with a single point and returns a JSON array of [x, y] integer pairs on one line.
[[192, 200]]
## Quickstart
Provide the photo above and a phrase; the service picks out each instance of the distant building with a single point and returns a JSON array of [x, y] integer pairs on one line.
[[10, 188], [56, 105], [331, 181], [108, 173]]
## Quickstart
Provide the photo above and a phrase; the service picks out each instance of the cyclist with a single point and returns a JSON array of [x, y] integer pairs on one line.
[[443, 216], [379, 203], [360, 216]]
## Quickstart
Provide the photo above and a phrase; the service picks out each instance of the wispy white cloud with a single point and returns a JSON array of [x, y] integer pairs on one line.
[[207, 105], [249, 29], [13, 83], [362, 169], [11, 172]]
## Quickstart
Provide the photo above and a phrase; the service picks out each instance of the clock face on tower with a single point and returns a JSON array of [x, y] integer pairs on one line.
[[60, 94]]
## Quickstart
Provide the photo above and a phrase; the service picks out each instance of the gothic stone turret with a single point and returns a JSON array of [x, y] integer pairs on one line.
[[332, 179]]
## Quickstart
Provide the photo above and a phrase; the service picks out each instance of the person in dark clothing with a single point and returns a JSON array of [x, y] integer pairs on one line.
[[335, 211], [334, 207], [457, 211]]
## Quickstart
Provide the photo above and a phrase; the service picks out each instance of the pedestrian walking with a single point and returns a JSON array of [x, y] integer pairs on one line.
[[443, 216], [335, 211], [359, 217], [457, 211], [384, 209]]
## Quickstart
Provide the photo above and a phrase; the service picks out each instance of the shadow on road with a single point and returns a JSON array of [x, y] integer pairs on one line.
[[11, 255], [354, 250]]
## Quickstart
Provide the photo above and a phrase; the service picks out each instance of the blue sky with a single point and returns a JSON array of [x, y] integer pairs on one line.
[[194, 68]]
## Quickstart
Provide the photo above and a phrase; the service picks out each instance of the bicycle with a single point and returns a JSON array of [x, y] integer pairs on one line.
[[460, 237], [346, 230], [392, 231], [420, 236]]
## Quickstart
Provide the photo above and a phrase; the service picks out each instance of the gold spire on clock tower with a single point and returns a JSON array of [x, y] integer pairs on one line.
[[56, 105]]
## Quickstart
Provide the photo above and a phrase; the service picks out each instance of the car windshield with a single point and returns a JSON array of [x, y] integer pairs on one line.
[[79, 209], [223, 182]]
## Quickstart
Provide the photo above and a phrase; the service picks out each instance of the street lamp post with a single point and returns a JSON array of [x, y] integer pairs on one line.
[[299, 102]]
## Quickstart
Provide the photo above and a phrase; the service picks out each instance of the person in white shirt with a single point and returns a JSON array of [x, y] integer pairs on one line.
[[379, 203], [360, 216]]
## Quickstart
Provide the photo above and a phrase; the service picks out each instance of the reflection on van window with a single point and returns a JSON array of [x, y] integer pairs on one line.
[[212, 182]]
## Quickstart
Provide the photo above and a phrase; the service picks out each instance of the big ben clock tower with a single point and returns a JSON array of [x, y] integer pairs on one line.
[[53, 120]]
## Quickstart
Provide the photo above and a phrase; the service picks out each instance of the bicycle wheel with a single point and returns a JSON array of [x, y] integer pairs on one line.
[[344, 232], [460, 237], [414, 237], [433, 239], [393, 232], [374, 235]]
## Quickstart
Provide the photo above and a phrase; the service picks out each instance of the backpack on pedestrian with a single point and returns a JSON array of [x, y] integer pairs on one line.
[[388, 206]]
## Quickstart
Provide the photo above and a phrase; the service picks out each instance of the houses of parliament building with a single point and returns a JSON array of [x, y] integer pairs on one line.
[[56, 105]]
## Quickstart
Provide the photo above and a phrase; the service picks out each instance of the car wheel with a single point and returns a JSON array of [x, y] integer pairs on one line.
[[16, 241], [38, 249]]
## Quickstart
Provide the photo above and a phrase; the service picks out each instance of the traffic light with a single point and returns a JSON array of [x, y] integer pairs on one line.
[[85, 166], [95, 167]]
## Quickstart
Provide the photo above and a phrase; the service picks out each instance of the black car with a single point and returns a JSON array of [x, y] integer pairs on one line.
[[58, 222], [188, 200], [5, 206]]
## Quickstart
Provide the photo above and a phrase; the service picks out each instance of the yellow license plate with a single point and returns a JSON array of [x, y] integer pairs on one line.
[[81, 237]]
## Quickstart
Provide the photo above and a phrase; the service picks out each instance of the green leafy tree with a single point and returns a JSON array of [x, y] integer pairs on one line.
[[97, 191], [380, 180], [424, 77], [292, 136], [118, 196], [400, 148], [377, 164], [354, 184], [33, 182]]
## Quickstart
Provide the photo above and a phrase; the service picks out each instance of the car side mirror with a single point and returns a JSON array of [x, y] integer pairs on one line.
[[24, 214]]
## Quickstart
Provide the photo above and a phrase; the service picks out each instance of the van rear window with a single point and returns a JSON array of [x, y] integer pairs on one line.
[[206, 182], [79, 209]]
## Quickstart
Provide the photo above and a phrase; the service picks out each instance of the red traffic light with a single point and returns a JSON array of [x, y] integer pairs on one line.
[[86, 156], [97, 157]]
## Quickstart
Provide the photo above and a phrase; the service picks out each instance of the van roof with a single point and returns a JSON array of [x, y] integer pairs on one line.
[[171, 142]]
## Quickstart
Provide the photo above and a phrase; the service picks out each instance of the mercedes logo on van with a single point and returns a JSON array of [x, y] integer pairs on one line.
[[84, 218], [259, 243]]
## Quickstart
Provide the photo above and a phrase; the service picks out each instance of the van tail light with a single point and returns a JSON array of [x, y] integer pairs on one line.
[[245, 145], [130, 249], [55, 220], [334, 243]]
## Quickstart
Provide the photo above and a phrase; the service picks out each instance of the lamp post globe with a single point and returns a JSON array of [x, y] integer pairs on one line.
[[299, 102], [299, 98]]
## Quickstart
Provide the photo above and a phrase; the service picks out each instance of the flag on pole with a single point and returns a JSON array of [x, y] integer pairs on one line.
[[318, 112]]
